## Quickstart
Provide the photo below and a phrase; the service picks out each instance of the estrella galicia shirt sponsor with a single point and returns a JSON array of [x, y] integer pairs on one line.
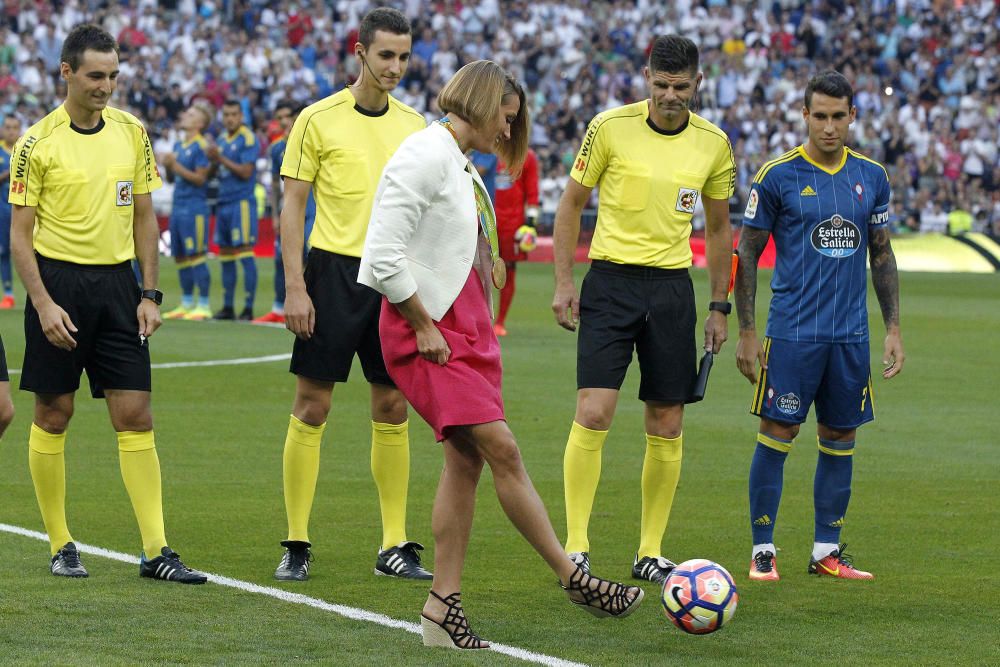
[[82, 184], [820, 220], [240, 147]]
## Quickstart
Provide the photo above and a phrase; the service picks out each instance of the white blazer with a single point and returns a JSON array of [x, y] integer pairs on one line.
[[423, 234]]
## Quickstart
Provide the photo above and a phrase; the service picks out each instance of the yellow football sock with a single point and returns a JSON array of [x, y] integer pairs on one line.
[[661, 469], [141, 472], [391, 470], [48, 473], [581, 473], [301, 468]]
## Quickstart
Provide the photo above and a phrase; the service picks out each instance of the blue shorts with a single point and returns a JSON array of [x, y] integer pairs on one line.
[[236, 223], [836, 376], [188, 231]]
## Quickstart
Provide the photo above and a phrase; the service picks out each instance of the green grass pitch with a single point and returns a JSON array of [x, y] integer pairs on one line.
[[924, 514]]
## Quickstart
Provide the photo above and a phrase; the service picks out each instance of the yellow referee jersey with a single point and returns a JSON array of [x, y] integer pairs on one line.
[[649, 181], [82, 184], [341, 149]]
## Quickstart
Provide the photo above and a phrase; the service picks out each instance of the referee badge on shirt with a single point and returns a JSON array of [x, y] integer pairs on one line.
[[123, 193], [686, 200]]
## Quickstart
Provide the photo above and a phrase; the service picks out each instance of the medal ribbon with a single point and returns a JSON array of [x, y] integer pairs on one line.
[[487, 218]]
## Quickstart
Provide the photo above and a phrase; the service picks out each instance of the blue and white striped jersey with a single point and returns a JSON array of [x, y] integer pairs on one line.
[[819, 219]]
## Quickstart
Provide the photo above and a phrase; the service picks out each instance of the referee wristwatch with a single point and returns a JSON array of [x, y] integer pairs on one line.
[[154, 295], [723, 307]]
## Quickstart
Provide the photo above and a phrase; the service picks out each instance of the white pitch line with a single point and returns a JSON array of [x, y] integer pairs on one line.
[[225, 362], [352, 613], [210, 362]]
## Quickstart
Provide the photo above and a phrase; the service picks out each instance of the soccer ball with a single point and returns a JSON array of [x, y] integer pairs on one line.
[[699, 596], [526, 238]]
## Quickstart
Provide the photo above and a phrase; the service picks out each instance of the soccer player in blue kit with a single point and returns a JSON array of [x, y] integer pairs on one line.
[[235, 156], [826, 207], [187, 167]]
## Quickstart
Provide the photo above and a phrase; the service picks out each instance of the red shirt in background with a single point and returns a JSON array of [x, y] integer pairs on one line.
[[513, 195]]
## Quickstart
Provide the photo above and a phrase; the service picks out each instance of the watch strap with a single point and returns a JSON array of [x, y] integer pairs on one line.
[[154, 295]]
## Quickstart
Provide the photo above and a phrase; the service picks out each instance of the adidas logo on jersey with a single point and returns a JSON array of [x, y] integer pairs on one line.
[[762, 521], [807, 192]]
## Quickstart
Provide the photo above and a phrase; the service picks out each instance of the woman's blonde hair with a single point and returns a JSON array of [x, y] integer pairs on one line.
[[475, 94]]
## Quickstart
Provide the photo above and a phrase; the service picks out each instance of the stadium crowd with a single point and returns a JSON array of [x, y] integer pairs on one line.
[[925, 72]]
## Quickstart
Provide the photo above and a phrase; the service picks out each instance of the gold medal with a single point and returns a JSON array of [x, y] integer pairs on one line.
[[499, 273]]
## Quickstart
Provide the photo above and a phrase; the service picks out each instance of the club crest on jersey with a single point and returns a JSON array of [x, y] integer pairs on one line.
[[686, 199], [859, 190], [123, 193], [752, 201], [788, 403], [836, 237]]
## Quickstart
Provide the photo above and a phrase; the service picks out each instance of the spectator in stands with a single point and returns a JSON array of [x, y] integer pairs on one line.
[[933, 75]]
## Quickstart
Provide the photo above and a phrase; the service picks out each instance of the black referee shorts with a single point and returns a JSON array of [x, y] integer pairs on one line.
[[101, 301], [347, 315], [4, 376], [651, 310]]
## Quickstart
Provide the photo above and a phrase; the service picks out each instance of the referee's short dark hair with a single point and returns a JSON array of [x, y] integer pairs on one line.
[[832, 84], [386, 19], [82, 37], [673, 54]]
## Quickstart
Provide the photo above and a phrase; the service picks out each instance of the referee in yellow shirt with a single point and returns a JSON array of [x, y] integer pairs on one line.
[[337, 148], [652, 161], [80, 187]]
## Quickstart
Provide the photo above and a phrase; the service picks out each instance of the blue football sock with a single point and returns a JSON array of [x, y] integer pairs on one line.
[[832, 488], [186, 274], [249, 279], [202, 278], [228, 281], [279, 284], [8, 278], [767, 470]]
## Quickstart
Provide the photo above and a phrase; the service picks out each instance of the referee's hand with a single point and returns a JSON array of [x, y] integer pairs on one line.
[[148, 314], [566, 306], [57, 326], [300, 314]]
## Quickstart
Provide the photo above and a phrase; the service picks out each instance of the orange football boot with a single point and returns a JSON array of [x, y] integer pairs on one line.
[[763, 567], [838, 564]]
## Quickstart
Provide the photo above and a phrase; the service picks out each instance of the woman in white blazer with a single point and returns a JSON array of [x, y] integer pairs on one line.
[[431, 250]]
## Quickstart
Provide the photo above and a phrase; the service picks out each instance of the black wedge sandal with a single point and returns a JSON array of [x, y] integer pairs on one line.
[[607, 599], [454, 631]]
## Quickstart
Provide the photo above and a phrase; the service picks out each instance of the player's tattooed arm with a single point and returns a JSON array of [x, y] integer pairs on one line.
[[749, 351], [751, 246], [885, 278]]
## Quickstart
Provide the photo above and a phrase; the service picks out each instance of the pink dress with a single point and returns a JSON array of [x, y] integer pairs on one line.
[[464, 391]]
